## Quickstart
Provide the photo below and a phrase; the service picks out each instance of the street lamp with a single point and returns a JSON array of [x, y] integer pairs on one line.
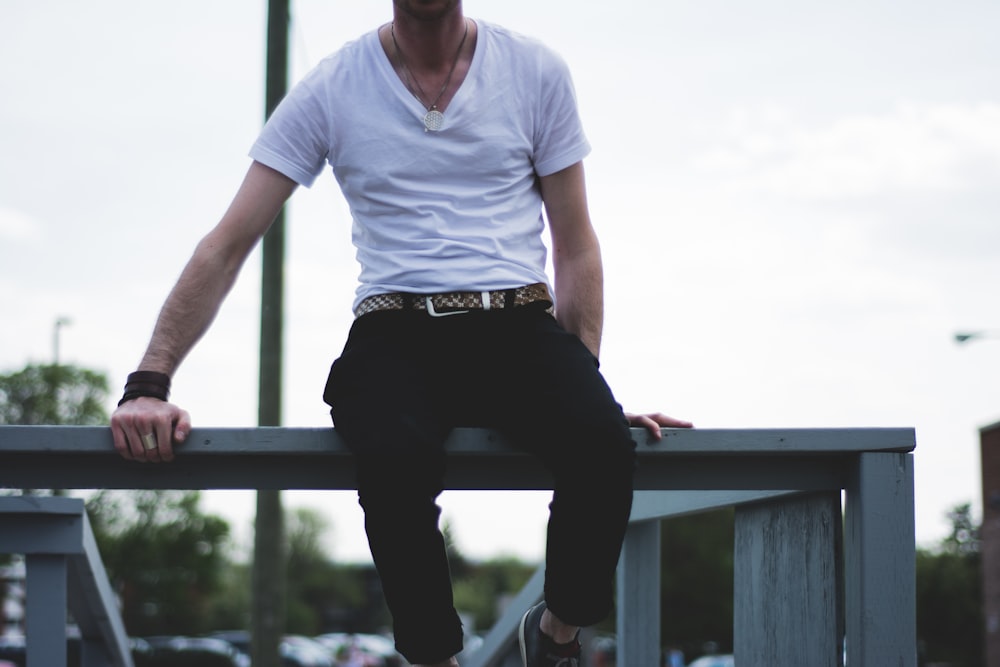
[[963, 337], [60, 323]]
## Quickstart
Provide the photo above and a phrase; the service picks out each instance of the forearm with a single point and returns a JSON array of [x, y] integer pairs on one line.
[[579, 286], [190, 307], [576, 256]]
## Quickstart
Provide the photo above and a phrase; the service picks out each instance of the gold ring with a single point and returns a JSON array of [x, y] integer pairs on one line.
[[149, 441]]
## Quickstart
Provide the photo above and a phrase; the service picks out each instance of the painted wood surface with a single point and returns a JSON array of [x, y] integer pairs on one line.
[[788, 582], [293, 458]]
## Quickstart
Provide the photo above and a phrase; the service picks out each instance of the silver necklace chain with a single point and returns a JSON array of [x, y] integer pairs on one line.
[[433, 119]]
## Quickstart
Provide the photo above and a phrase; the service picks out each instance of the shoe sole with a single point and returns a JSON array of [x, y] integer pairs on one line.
[[520, 637]]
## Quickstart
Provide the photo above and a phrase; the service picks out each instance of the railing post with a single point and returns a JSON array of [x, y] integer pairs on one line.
[[880, 563], [638, 615], [787, 582], [45, 607]]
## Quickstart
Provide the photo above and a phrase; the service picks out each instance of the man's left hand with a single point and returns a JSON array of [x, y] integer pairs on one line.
[[653, 422]]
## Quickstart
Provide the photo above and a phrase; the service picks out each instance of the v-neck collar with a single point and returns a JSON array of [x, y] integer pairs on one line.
[[403, 93]]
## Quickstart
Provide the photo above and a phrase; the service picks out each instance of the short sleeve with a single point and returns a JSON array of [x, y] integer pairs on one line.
[[559, 140], [295, 140]]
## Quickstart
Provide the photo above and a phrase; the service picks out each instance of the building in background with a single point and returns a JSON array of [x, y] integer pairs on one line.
[[989, 535]]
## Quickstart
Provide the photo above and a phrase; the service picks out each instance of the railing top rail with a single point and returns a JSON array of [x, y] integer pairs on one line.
[[316, 458], [285, 441]]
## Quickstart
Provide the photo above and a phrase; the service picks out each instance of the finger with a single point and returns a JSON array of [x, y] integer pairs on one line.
[[164, 446], [182, 426], [153, 436], [671, 422], [675, 423], [147, 442], [136, 445], [154, 431], [119, 437], [652, 426], [644, 421]]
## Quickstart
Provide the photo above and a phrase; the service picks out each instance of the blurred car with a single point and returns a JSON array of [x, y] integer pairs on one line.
[[240, 639], [376, 650], [14, 648], [714, 661], [194, 652], [294, 650], [305, 652]]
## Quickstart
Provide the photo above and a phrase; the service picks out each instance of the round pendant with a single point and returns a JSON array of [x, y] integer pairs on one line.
[[433, 120]]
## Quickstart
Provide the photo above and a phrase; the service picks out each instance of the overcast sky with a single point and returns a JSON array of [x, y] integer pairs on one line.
[[798, 201]]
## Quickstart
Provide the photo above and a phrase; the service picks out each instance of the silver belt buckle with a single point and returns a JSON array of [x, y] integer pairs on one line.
[[429, 302]]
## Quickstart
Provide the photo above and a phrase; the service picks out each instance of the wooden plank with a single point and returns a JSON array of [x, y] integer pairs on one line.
[[787, 583], [34, 525], [45, 609], [105, 640], [282, 458], [638, 611], [502, 472], [673, 504], [284, 441], [880, 567]]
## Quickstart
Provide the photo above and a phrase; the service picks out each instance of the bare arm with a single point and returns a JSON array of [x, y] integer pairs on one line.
[[193, 304], [579, 272], [576, 256]]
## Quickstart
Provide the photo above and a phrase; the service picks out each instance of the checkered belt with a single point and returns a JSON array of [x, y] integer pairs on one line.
[[453, 303]]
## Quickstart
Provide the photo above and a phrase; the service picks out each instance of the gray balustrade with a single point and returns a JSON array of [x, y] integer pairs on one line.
[[810, 578]]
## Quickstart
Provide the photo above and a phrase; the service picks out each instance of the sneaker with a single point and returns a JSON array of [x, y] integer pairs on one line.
[[538, 649]]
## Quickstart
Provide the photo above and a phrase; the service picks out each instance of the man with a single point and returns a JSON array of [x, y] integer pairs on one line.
[[448, 137]]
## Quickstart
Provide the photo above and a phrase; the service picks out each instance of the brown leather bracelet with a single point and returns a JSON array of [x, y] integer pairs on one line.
[[146, 383]]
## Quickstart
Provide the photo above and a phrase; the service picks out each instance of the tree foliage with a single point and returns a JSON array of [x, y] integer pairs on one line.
[[949, 596], [165, 557], [322, 595], [53, 394], [482, 587], [697, 582]]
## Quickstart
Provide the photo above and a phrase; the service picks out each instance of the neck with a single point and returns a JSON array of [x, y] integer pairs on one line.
[[429, 42]]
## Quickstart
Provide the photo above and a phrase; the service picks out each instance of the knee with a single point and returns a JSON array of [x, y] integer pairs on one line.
[[398, 483]]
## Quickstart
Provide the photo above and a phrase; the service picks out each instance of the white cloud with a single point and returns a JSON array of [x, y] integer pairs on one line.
[[16, 226], [945, 148]]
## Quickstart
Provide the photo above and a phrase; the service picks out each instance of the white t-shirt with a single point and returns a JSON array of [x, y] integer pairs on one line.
[[456, 209]]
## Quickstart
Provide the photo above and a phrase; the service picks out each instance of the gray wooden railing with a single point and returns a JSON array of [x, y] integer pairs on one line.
[[808, 580], [63, 570]]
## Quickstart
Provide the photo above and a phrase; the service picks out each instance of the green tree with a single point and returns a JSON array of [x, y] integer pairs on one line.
[[697, 581], [53, 394], [322, 595], [949, 595], [50, 394], [229, 607], [480, 587], [964, 535], [165, 557]]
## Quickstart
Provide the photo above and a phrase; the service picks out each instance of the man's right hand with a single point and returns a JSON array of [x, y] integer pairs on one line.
[[146, 429]]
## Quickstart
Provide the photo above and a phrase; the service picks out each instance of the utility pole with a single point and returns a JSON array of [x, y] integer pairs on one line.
[[59, 324], [269, 583]]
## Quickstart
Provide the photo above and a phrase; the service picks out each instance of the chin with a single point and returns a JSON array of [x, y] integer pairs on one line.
[[427, 10]]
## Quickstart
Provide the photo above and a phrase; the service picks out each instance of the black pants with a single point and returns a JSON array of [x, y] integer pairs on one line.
[[405, 379]]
